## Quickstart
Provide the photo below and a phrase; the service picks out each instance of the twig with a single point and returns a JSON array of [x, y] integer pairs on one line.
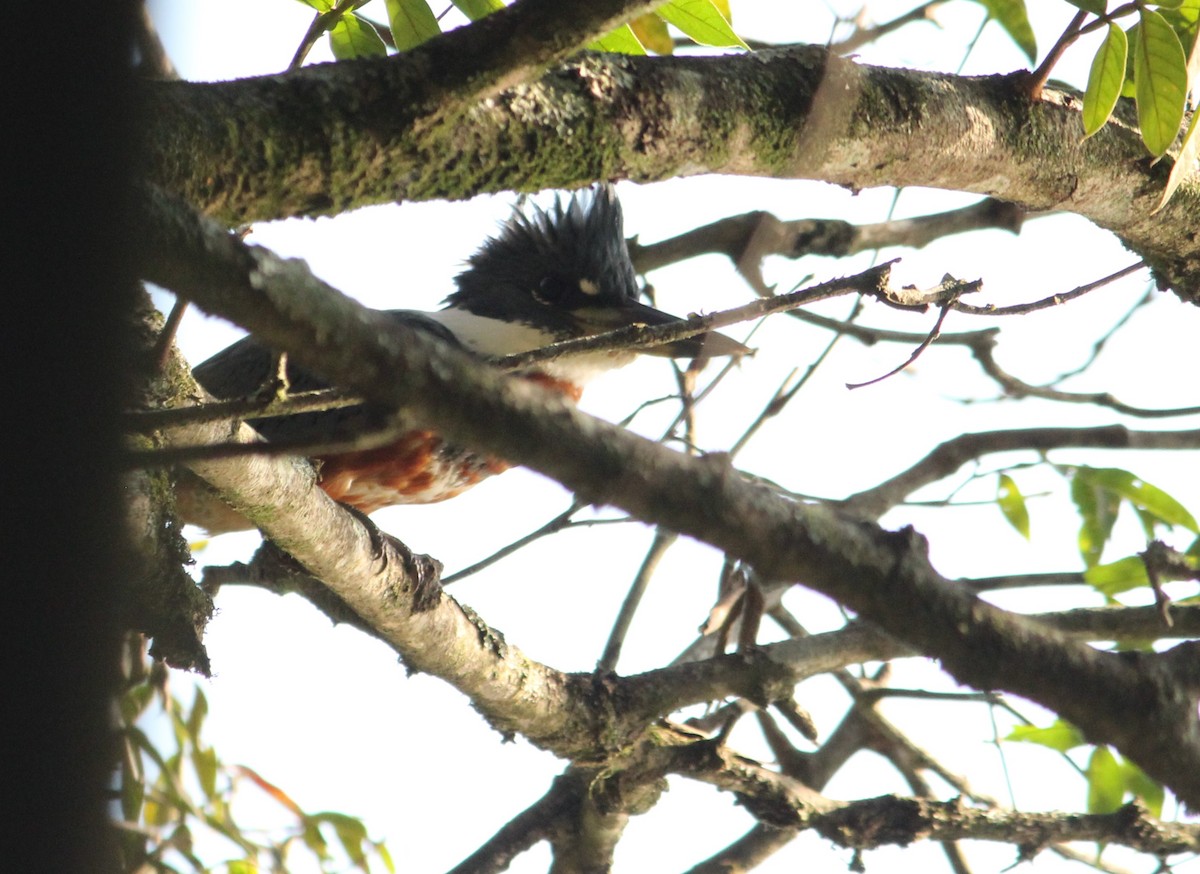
[[749, 238], [321, 23], [984, 352], [663, 541], [869, 281], [952, 454], [1099, 345], [925, 344], [864, 35], [146, 421], [1037, 79], [1047, 302], [558, 523], [1161, 561], [166, 337]]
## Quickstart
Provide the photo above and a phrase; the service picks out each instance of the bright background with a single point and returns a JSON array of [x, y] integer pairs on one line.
[[330, 716]]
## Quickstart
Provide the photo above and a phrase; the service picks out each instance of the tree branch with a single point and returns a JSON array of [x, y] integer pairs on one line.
[[348, 135], [886, 577], [954, 453], [749, 238]]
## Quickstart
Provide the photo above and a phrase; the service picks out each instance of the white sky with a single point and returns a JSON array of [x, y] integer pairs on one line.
[[330, 716]]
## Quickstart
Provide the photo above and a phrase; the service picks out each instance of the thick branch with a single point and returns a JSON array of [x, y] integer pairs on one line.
[[785, 803], [749, 238], [542, 820], [1137, 705], [877, 822], [327, 138]]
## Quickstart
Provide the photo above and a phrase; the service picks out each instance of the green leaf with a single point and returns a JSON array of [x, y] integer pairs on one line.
[[412, 22], [1105, 80], [173, 765], [1149, 521], [1012, 505], [385, 856], [206, 764], [1106, 782], [135, 701], [1011, 15], [1128, 89], [620, 41], [195, 720], [477, 9], [1097, 512], [1098, 492], [181, 839], [1144, 496], [353, 38], [1160, 81], [651, 32], [319, 5], [313, 839], [1060, 735], [1185, 21], [1143, 787], [154, 813], [351, 834], [1096, 7], [701, 21], [133, 786], [1118, 576], [1185, 162]]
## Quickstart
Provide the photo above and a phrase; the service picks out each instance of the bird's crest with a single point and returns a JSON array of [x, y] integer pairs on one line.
[[571, 254]]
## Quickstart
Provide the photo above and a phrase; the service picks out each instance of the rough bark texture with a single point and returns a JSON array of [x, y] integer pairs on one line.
[[465, 113], [885, 577], [329, 138]]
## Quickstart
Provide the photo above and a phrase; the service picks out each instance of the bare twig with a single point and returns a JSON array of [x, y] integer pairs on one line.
[[864, 35], [749, 238], [641, 336], [1099, 345], [916, 353], [983, 349], [558, 523], [146, 421], [616, 639], [1047, 302]]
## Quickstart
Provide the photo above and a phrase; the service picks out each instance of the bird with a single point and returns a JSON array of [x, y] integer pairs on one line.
[[549, 274]]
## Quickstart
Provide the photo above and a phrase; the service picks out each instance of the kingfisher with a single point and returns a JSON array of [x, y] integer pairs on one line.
[[548, 275]]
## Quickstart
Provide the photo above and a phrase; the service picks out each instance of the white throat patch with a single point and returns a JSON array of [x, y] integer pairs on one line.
[[495, 337]]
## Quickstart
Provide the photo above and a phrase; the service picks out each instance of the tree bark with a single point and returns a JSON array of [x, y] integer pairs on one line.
[[1144, 704], [328, 138]]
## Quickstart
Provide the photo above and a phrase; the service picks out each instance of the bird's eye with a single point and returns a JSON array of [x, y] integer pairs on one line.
[[552, 289]]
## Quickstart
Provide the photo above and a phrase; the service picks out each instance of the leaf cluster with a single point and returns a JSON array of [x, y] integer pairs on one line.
[[178, 798], [1111, 778], [412, 22]]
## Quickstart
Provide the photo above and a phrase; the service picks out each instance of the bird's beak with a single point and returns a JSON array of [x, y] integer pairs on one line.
[[596, 320]]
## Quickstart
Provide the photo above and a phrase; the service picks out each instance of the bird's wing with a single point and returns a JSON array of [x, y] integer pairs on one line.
[[240, 370]]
